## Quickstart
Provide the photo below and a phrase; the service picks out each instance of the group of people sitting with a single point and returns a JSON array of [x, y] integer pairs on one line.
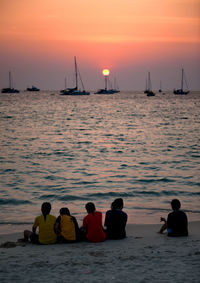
[[65, 229]]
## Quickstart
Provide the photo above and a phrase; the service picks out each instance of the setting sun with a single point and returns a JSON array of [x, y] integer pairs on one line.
[[106, 72]]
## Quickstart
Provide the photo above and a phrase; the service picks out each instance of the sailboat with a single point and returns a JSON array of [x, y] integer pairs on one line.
[[10, 89], [109, 89], [181, 91], [75, 90], [148, 89], [33, 88]]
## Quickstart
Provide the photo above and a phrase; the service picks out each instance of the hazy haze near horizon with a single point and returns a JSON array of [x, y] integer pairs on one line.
[[39, 39]]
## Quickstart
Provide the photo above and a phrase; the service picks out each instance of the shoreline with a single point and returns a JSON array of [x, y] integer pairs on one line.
[[131, 228], [144, 256]]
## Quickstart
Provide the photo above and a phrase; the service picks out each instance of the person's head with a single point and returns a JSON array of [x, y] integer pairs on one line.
[[118, 203], [64, 211], [46, 208], [90, 207], [175, 203]]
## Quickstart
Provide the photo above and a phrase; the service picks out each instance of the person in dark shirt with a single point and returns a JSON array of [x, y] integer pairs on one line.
[[177, 223], [115, 220]]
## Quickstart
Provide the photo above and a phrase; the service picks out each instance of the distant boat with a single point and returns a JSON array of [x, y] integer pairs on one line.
[[9, 89], [33, 88], [104, 91], [75, 90], [148, 89], [181, 91], [110, 90]]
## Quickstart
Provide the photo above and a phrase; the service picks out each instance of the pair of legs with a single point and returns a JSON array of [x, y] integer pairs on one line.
[[29, 236]]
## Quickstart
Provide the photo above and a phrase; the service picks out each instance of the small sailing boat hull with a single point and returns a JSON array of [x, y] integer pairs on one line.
[[105, 91], [150, 93], [77, 92], [181, 92], [9, 90], [33, 88], [74, 92]]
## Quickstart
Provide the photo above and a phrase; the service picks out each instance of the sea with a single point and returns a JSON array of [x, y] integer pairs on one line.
[[70, 150]]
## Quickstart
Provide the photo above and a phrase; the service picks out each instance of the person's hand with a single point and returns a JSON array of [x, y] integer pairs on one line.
[[162, 219]]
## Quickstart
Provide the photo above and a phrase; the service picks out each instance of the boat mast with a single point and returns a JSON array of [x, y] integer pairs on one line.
[[10, 84], [76, 73], [65, 83], [149, 82], [182, 80], [106, 82]]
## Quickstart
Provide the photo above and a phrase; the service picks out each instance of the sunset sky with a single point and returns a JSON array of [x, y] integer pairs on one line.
[[39, 39]]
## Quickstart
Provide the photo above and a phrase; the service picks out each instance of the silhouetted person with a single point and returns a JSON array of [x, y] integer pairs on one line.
[[45, 223], [92, 224], [177, 223], [115, 220], [66, 227]]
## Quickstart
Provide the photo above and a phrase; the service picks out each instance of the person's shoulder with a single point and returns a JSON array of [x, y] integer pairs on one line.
[[182, 213], [73, 218], [98, 213], [123, 212], [37, 218], [86, 217], [171, 213]]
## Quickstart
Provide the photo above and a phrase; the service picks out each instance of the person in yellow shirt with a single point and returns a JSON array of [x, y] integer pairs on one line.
[[66, 227], [45, 223]]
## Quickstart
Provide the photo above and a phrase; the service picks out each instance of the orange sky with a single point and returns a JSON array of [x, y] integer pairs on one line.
[[118, 34]]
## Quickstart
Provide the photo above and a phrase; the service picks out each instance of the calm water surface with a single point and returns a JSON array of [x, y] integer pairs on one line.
[[70, 150]]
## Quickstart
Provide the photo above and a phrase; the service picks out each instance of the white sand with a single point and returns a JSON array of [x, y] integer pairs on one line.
[[144, 256]]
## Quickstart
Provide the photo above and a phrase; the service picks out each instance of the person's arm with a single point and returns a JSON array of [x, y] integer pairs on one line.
[[75, 222], [85, 224], [162, 219], [106, 220], [57, 225], [34, 229], [125, 218], [35, 225], [164, 226]]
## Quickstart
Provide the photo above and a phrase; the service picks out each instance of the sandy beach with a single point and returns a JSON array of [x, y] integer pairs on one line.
[[144, 256]]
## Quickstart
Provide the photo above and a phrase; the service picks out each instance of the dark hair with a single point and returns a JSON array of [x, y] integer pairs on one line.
[[175, 203], [64, 211], [118, 203], [90, 207], [45, 208]]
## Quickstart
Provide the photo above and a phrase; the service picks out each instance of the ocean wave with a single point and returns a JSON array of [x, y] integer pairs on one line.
[[15, 223], [14, 202], [65, 197]]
